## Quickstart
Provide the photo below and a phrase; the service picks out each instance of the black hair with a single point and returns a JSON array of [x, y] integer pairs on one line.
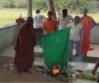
[[76, 17], [85, 10], [64, 11], [50, 12], [37, 11]]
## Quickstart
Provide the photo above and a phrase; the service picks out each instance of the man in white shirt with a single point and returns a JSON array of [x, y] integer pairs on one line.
[[75, 36], [38, 18], [64, 19]]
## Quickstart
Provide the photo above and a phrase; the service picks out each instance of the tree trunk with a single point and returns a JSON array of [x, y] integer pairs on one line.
[[51, 8], [29, 8]]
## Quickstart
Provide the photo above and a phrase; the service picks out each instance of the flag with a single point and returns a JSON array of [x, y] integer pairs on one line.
[[55, 47]]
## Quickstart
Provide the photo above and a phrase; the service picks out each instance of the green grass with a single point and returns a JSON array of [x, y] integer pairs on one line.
[[8, 16]]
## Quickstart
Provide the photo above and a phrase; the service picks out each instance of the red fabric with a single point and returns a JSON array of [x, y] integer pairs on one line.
[[25, 43], [87, 24], [20, 20]]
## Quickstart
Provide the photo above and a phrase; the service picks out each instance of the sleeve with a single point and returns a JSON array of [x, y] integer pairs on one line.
[[71, 19], [69, 25]]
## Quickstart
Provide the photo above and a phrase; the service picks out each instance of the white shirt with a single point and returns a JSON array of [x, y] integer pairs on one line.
[[38, 20], [63, 22], [75, 31]]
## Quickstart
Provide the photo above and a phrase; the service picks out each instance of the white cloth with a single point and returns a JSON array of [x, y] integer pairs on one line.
[[38, 21], [63, 22], [75, 31]]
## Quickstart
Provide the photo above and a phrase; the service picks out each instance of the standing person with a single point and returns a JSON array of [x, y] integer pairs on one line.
[[75, 33], [24, 47], [64, 19], [88, 23], [38, 18], [95, 69], [50, 24]]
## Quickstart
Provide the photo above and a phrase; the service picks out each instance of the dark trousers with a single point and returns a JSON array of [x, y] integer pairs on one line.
[[39, 33]]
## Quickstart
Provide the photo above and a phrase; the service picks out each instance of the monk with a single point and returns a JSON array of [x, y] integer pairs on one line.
[[50, 24], [24, 47], [88, 23]]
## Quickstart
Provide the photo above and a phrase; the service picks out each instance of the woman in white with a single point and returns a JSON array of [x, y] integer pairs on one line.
[[64, 19]]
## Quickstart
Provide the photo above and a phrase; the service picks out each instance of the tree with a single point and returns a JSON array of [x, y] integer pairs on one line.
[[78, 5], [42, 4], [51, 8]]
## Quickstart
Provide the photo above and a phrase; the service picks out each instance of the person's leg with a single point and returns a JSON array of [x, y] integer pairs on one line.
[[40, 33], [71, 50], [78, 47], [37, 38]]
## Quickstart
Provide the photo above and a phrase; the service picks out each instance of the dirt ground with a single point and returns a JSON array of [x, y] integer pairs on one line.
[[8, 74]]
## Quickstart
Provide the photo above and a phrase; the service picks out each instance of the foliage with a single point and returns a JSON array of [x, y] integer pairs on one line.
[[72, 5], [40, 4], [77, 5]]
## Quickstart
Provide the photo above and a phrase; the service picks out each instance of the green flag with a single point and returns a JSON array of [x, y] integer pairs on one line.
[[55, 48]]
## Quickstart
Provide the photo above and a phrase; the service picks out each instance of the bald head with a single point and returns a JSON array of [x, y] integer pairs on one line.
[[85, 11], [29, 20]]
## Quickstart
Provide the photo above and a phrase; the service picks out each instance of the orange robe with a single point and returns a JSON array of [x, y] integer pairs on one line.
[[24, 48], [87, 23], [50, 25]]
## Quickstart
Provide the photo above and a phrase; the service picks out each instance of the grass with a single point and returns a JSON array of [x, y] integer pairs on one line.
[[8, 16]]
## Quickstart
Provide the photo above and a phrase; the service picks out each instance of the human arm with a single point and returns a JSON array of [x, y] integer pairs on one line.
[[16, 47], [71, 19], [69, 25], [34, 35], [95, 68], [45, 24], [58, 19], [43, 17], [56, 25], [93, 23]]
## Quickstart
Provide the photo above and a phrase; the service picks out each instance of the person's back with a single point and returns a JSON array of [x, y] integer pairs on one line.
[[38, 21], [24, 46], [38, 18]]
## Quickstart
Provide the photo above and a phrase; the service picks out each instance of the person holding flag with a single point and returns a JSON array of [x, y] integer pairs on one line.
[[75, 33], [50, 24]]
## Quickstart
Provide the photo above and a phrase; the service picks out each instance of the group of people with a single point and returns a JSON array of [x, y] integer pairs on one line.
[[80, 28], [79, 33]]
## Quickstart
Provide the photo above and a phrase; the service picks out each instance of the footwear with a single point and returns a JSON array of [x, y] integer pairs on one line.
[[91, 48]]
